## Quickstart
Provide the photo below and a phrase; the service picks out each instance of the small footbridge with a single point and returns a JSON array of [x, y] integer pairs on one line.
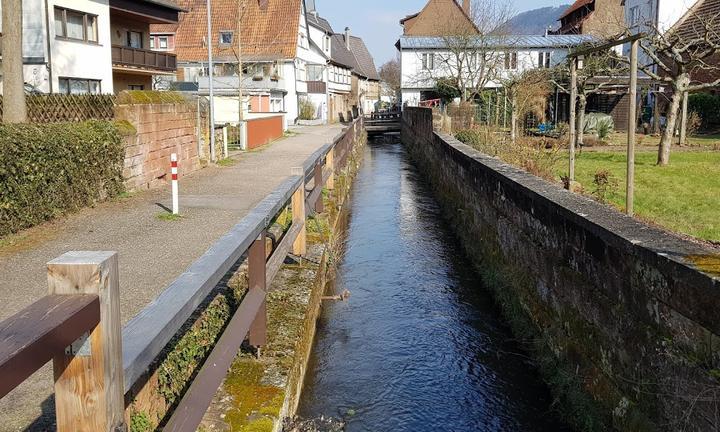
[[379, 123]]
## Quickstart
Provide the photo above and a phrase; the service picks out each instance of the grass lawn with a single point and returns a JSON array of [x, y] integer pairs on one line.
[[683, 197], [711, 142]]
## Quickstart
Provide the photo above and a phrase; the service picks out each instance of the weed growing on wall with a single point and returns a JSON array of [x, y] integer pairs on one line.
[[50, 169]]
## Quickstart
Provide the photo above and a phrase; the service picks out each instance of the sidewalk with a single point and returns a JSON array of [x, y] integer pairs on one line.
[[152, 252]]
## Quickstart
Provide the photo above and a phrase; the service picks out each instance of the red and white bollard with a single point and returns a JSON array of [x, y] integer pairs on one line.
[[174, 173]]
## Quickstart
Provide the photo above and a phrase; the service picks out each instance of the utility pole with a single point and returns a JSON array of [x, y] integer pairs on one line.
[[241, 108], [632, 124], [210, 80]]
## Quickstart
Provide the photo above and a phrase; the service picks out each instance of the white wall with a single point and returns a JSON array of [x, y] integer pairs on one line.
[[654, 14]]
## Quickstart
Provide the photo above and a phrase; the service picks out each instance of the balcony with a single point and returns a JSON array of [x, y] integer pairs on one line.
[[316, 87], [143, 59]]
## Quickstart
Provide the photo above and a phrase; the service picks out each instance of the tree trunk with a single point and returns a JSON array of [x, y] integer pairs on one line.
[[513, 120], [582, 104], [14, 110], [656, 114], [667, 135]]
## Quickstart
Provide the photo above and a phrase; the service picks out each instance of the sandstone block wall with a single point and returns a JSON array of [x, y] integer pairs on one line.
[[624, 309], [161, 129]]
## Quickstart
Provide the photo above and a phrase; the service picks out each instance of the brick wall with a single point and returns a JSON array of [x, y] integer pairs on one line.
[[161, 129]]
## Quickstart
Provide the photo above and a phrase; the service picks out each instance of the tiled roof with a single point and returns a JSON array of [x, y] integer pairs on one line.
[[577, 5], [268, 33], [366, 64], [340, 54], [319, 22], [518, 41]]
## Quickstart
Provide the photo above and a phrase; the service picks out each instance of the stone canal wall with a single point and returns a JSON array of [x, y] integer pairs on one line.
[[622, 322]]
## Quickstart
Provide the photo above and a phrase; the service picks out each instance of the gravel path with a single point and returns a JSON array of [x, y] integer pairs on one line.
[[152, 252]]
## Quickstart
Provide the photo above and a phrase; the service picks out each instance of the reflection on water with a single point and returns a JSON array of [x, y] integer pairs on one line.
[[419, 346]]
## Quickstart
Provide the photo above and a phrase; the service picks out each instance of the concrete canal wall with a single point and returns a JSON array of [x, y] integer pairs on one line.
[[620, 315]]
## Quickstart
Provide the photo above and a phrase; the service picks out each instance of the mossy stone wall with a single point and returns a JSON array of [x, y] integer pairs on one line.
[[623, 324]]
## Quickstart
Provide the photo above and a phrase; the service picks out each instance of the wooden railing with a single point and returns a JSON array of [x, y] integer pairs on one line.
[[138, 57], [78, 323], [316, 87]]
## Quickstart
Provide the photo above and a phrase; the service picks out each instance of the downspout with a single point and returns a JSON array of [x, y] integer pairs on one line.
[[49, 49]]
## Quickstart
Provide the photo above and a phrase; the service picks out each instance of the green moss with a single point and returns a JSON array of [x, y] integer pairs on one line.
[[138, 97], [140, 422], [170, 217], [254, 405], [226, 162], [125, 128], [706, 263]]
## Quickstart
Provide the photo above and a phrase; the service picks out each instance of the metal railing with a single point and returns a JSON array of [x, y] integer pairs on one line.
[[78, 323], [138, 57]]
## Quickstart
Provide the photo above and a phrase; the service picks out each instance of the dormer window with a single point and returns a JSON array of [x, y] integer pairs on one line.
[[226, 37]]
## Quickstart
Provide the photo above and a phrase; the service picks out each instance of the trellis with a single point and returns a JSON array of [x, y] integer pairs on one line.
[[51, 108]]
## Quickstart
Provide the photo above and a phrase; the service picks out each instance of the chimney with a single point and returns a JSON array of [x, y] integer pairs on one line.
[[310, 4], [347, 37], [466, 6]]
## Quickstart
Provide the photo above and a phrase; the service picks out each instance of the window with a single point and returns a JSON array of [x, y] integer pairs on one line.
[[226, 37], [428, 61], [163, 42], [134, 39], [70, 24], [511, 60], [315, 72], [544, 60], [152, 42], [79, 86], [634, 15], [136, 87], [326, 43]]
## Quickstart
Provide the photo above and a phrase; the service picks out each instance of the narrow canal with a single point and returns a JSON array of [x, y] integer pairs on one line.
[[420, 345]]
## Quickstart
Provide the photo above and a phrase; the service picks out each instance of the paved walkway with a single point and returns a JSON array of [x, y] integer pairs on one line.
[[152, 252]]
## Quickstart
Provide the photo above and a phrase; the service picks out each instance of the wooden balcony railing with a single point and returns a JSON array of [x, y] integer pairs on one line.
[[142, 58], [316, 87]]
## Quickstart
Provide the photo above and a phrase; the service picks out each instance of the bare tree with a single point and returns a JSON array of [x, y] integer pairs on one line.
[[684, 58], [390, 75], [598, 73], [526, 92], [470, 57], [15, 110]]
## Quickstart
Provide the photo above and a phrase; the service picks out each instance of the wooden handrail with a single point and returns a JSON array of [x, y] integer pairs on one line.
[[33, 336]]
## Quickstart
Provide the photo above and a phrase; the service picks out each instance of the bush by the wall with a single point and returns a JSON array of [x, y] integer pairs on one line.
[[50, 169], [707, 106]]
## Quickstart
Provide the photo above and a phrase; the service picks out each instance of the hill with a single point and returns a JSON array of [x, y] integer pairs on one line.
[[537, 20]]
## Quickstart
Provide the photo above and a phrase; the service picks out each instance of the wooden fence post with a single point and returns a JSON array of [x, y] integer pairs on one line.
[[318, 180], [330, 163], [89, 383], [256, 281], [298, 214]]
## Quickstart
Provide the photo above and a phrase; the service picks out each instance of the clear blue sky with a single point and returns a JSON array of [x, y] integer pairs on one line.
[[376, 21]]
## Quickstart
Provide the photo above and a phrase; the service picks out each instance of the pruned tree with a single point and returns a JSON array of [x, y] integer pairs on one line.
[[390, 75], [14, 107], [596, 74], [686, 59], [470, 57], [526, 92]]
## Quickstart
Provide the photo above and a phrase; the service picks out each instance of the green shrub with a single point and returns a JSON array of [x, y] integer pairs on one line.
[[307, 110], [707, 106], [471, 137], [50, 169]]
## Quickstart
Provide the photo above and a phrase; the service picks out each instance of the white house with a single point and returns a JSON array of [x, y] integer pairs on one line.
[[83, 46], [424, 60]]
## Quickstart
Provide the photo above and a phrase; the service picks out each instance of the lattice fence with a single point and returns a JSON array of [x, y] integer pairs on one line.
[[50, 108]]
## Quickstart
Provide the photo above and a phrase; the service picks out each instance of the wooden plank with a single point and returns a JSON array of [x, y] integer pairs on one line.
[[257, 281], [330, 166], [632, 125], [31, 337], [192, 407], [583, 51], [151, 329], [89, 376], [281, 251], [310, 162]]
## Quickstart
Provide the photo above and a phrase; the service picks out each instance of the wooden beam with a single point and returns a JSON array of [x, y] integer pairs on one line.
[[33, 336], [257, 281], [573, 121], [88, 374], [583, 51], [298, 214], [330, 164], [632, 125]]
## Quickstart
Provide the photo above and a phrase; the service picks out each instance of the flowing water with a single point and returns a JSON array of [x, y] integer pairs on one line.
[[419, 346]]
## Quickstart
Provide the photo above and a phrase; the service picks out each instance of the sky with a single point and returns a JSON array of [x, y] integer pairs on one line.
[[377, 21]]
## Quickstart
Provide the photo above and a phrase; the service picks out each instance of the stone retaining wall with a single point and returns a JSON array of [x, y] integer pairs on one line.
[[617, 307], [161, 129]]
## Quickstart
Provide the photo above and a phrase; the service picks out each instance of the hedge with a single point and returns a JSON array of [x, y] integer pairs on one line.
[[50, 169], [708, 107]]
